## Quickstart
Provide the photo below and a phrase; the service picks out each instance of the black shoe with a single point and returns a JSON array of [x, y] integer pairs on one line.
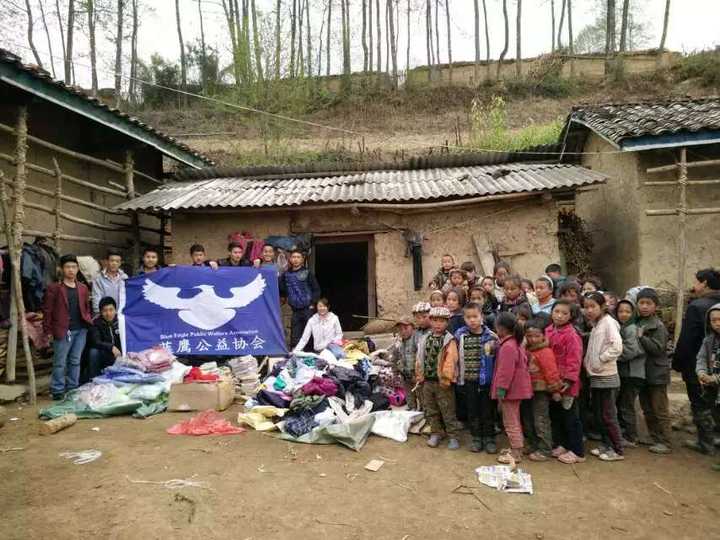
[[58, 397]]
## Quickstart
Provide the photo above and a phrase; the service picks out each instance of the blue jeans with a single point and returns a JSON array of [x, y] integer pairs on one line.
[[66, 361], [97, 361]]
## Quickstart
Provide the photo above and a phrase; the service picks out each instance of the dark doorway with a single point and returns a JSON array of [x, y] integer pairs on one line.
[[342, 267]]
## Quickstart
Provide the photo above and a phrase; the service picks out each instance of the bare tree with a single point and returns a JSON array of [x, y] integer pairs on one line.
[[624, 25], [183, 65], [476, 72], [61, 28], [393, 47], [571, 45], [609, 36], [256, 43], [300, 54], [562, 23], [370, 35], [666, 20], [437, 32], [428, 37], [233, 30], [118, 51], [507, 38], [518, 42], [278, 9], [407, 57], [329, 34], [49, 40], [364, 36], [203, 47], [487, 40], [69, 45], [552, 23], [293, 30], [388, 16], [378, 25], [91, 16], [449, 40], [30, 33], [133, 51], [308, 37], [346, 46]]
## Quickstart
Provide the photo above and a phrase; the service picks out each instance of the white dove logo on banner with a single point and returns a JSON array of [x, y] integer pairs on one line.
[[205, 310]]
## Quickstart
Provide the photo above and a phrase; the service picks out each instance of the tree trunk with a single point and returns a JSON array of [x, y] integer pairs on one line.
[[666, 20], [133, 53], [437, 32], [364, 36], [624, 26], [256, 43], [49, 41], [229, 9], [407, 58], [393, 50], [562, 23], [30, 33], [449, 40], [518, 48], [118, 51], [183, 66], [378, 27], [476, 70], [329, 34], [246, 39], [609, 37], [348, 41], [507, 38], [388, 15], [300, 46], [203, 51], [370, 35], [293, 31], [428, 38], [93, 49], [308, 38], [487, 40], [69, 45], [61, 28], [552, 23], [346, 84], [571, 46], [278, 27]]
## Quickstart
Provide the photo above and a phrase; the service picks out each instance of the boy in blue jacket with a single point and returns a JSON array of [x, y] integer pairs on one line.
[[477, 345], [300, 289]]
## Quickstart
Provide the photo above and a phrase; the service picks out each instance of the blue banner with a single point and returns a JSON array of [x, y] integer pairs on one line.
[[195, 310]]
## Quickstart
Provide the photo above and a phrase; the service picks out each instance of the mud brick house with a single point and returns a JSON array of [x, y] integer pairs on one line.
[[637, 217], [360, 220]]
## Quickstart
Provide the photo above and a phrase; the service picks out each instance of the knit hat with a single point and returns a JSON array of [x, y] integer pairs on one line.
[[107, 301], [440, 313], [421, 307], [650, 294], [69, 258], [406, 321]]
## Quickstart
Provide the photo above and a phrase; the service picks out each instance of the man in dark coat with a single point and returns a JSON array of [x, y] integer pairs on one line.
[[707, 289]]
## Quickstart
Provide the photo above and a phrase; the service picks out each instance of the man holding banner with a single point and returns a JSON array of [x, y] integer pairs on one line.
[[231, 311]]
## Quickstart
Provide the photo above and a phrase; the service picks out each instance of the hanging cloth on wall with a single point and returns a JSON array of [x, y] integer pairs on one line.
[[414, 241]]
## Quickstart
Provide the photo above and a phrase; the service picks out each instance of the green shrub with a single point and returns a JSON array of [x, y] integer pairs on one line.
[[704, 66]]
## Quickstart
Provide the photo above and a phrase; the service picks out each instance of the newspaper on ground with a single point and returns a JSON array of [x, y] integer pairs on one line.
[[504, 478]]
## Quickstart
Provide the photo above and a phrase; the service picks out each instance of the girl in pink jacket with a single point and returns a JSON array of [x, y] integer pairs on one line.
[[564, 414], [511, 383]]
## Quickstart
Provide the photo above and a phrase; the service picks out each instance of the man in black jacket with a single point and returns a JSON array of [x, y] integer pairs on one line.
[[707, 288], [105, 344]]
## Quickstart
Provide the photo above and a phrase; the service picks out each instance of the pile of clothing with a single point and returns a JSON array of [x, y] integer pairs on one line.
[[132, 385], [245, 375], [329, 397]]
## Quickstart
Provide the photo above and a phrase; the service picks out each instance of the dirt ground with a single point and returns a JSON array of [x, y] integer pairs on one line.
[[262, 487]]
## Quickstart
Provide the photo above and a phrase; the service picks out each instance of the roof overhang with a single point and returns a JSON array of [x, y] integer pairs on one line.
[[653, 142], [21, 80]]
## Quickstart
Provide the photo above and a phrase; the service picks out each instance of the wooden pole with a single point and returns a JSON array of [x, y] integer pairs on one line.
[[13, 332], [58, 204], [15, 245], [135, 222], [682, 241]]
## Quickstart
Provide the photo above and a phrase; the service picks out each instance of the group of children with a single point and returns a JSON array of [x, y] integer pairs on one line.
[[560, 360]]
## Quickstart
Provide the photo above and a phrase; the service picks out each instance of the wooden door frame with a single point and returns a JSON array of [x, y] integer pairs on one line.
[[330, 238]]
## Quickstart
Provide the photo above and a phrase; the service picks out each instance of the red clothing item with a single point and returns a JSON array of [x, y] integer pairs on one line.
[[511, 371], [543, 369], [196, 375], [56, 315], [567, 346]]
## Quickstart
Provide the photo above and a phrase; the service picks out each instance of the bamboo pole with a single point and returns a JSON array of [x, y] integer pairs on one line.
[[15, 246], [58, 204], [689, 182], [74, 219], [12, 334], [69, 178], [135, 222], [691, 165], [682, 241], [73, 238]]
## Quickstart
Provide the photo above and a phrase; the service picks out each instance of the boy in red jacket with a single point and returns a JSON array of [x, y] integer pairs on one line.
[[66, 317], [546, 383]]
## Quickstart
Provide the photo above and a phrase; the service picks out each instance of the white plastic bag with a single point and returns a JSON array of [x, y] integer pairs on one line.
[[394, 424]]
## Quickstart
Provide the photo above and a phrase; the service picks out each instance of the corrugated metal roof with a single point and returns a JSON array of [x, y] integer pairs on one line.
[[41, 76], [390, 186]]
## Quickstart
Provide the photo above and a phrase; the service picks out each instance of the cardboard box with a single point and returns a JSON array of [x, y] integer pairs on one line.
[[199, 396]]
